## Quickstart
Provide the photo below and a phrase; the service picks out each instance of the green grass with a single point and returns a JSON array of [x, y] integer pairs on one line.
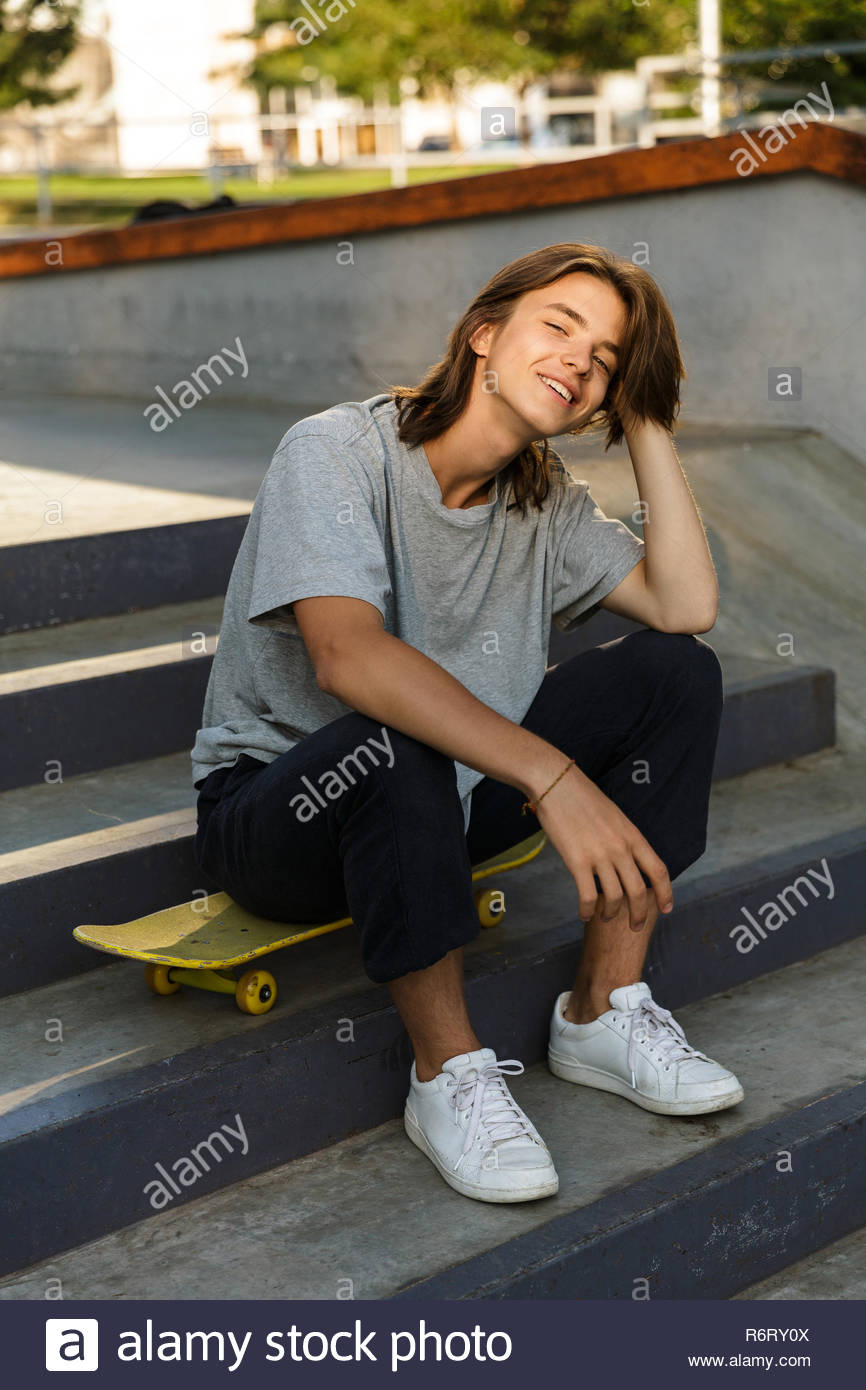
[[82, 198]]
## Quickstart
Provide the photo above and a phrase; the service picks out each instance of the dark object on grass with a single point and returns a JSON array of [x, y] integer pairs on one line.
[[435, 142], [167, 207]]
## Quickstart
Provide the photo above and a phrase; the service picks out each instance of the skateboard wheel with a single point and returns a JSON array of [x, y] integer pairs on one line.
[[490, 904], [158, 979], [256, 992]]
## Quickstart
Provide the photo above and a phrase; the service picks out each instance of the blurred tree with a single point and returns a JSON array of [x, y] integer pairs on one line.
[[774, 84], [36, 38], [432, 39]]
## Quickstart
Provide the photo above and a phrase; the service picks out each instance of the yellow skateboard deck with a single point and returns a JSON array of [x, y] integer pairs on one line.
[[198, 942]]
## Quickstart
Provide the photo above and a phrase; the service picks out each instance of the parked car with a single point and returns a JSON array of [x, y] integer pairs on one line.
[[435, 142]]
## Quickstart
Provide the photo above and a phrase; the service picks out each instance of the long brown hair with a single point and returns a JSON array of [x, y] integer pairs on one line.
[[647, 377]]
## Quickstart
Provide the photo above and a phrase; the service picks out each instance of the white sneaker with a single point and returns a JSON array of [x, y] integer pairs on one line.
[[470, 1126], [637, 1049]]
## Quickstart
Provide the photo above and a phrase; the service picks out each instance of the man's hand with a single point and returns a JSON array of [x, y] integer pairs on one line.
[[594, 837], [628, 419]]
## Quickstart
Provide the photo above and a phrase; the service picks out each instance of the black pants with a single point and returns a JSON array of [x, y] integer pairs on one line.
[[639, 715]]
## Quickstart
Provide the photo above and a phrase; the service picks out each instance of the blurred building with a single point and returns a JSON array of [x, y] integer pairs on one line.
[[159, 91]]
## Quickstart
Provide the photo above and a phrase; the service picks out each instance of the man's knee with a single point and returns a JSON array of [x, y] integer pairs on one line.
[[705, 669], [686, 659]]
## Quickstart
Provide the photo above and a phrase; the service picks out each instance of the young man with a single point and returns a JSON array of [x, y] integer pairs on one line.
[[379, 715]]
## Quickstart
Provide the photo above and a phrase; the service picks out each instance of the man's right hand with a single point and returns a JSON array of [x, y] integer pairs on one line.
[[594, 837]]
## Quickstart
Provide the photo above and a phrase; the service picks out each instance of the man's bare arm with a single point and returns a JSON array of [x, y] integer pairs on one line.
[[674, 587], [381, 676]]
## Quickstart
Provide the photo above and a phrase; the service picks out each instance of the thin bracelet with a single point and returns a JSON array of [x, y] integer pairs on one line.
[[531, 805]]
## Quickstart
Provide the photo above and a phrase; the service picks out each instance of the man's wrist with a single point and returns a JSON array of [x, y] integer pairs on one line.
[[547, 765]]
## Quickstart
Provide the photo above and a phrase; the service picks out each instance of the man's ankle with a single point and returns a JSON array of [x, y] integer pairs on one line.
[[430, 1064], [586, 1007]]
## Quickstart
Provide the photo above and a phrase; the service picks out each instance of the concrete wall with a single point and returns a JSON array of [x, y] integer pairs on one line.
[[760, 275]]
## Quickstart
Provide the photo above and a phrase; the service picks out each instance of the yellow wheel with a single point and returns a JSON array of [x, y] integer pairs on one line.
[[158, 979], [256, 992], [490, 903]]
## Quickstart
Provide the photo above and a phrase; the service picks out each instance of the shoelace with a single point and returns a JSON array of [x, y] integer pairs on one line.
[[490, 1102], [651, 1023]]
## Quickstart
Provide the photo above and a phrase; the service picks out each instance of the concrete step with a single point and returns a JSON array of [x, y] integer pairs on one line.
[[117, 572], [104, 516], [61, 688], [90, 695], [648, 1205], [106, 1059], [836, 1271]]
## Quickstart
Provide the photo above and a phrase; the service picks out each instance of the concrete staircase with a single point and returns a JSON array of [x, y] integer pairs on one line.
[[104, 658]]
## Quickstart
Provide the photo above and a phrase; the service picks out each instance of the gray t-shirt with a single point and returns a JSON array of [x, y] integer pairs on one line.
[[346, 508]]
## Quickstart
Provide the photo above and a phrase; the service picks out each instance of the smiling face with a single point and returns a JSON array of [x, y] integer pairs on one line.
[[555, 357]]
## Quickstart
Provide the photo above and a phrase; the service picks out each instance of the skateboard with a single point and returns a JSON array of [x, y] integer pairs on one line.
[[199, 943]]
